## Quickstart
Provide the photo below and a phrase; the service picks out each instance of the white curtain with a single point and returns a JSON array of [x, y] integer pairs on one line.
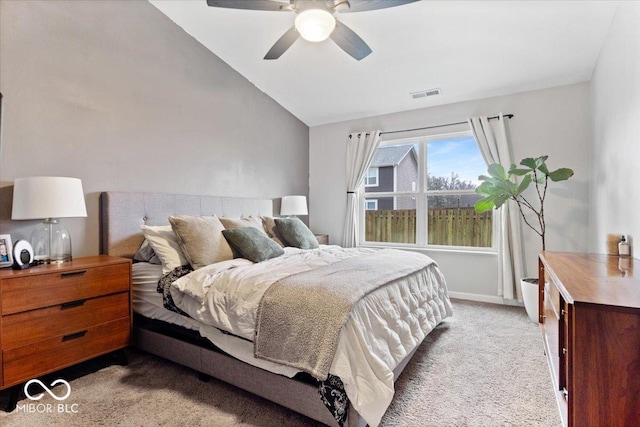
[[360, 150], [492, 139]]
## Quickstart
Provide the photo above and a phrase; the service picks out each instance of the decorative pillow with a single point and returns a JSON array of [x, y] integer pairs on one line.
[[201, 239], [145, 253], [165, 244], [247, 221], [269, 226], [296, 233], [252, 244]]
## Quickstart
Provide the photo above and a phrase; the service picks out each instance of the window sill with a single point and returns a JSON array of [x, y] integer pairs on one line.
[[446, 249]]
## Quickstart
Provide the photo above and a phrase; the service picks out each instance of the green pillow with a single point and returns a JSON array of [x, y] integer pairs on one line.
[[295, 233], [252, 244]]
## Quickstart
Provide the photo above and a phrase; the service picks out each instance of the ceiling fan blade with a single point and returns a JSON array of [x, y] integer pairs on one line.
[[282, 44], [251, 5], [365, 5], [349, 41]]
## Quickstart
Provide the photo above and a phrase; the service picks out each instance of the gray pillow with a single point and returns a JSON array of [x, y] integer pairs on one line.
[[295, 233], [146, 254], [252, 244]]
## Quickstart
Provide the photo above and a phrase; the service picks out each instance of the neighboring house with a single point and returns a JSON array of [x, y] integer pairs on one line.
[[393, 168]]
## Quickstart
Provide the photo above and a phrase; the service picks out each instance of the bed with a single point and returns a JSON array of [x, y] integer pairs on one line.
[[229, 354]]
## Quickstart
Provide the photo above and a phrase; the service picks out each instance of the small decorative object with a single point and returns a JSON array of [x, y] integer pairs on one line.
[[22, 255], [49, 198], [612, 244], [293, 205], [6, 259], [623, 247]]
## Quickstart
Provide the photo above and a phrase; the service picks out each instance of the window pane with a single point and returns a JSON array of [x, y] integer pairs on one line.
[[454, 164], [453, 221], [393, 168], [394, 220]]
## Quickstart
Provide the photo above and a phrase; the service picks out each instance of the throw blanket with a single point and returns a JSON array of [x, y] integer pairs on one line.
[[300, 317]]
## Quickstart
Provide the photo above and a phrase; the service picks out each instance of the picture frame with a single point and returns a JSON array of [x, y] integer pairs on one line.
[[6, 251]]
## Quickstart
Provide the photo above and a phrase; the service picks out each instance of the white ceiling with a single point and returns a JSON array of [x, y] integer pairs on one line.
[[468, 49]]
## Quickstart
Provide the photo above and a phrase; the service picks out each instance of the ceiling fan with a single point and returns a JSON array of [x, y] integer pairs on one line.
[[315, 21]]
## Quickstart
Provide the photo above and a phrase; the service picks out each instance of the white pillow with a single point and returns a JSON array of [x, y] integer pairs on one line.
[[166, 246]]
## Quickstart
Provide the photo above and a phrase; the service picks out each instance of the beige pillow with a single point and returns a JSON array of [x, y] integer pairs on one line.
[[248, 221], [166, 245], [269, 226], [201, 239]]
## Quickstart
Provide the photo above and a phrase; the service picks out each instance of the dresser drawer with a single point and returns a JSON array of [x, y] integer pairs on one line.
[[33, 360], [36, 325], [552, 298], [45, 290]]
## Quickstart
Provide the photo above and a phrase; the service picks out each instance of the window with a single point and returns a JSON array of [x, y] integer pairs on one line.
[[371, 178], [427, 196]]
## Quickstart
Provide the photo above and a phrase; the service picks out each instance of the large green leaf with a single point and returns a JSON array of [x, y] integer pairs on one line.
[[543, 168], [484, 205], [485, 188], [561, 174], [519, 172], [540, 161], [499, 201], [497, 171], [524, 184], [529, 162]]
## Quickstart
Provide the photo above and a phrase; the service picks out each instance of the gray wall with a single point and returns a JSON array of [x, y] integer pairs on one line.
[[552, 121], [615, 108], [116, 94]]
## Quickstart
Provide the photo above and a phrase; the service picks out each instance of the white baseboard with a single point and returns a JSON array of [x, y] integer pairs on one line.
[[484, 298]]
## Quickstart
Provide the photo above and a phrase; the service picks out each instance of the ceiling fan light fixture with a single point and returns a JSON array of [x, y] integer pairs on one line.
[[315, 25]]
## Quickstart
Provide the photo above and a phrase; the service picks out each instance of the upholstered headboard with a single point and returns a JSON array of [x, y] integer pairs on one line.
[[122, 214]]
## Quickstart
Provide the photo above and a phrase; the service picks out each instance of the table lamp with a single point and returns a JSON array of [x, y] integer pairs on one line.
[[49, 198], [293, 205]]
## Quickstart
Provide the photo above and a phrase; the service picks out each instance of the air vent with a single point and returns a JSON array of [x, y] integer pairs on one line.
[[425, 93]]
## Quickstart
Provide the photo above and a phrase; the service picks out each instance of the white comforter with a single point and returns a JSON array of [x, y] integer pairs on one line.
[[383, 328]]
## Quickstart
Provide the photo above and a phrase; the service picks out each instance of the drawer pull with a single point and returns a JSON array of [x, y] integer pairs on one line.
[[74, 335], [72, 304], [73, 273]]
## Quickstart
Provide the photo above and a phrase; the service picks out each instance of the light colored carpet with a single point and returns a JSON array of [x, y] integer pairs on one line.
[[483, 367]]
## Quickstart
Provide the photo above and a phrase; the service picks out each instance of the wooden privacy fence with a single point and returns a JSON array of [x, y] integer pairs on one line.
[[446, 226]]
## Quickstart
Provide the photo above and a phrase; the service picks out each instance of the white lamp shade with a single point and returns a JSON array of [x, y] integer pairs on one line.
[[42, 197], [294, 205], [315, 25]]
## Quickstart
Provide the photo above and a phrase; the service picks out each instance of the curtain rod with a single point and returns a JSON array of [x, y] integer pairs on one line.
[[508, 116]]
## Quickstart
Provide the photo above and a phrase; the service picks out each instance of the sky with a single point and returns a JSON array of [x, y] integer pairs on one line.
[[460, 155]]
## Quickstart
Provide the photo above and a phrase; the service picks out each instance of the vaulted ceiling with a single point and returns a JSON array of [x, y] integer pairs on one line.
[[467, 49]]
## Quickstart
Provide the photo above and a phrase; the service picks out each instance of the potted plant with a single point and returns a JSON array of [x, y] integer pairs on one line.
[[501, 186]]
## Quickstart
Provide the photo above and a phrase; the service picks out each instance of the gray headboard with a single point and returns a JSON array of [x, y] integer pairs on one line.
[[122, 214]]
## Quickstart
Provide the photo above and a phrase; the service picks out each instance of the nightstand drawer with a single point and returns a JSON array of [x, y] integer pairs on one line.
[[36, 325], [39, 358], [45, 290]]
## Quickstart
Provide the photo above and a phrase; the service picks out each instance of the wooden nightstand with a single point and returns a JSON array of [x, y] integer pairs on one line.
[[323, 239], [57, 315]]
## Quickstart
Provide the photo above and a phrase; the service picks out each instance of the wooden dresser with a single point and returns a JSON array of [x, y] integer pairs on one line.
[[54, 316], [590, 321]]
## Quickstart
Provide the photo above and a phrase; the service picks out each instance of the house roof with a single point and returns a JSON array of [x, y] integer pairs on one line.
[[390, 156]]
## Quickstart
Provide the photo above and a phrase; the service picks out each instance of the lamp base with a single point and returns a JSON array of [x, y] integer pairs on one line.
[[51, 242]]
